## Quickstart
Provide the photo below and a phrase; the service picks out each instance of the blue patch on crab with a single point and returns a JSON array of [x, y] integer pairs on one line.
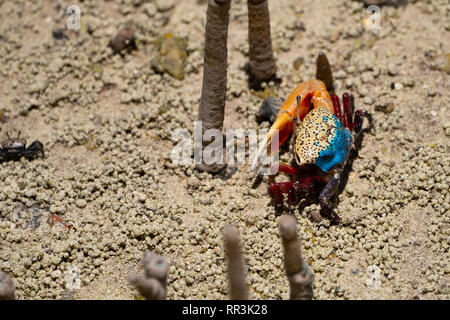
[[337, 151]]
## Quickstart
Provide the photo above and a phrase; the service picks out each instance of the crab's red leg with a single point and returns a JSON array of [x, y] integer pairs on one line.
[[277, 189], [294, 189], [287, 169], [337, 107], [348, 112], [359, 119]]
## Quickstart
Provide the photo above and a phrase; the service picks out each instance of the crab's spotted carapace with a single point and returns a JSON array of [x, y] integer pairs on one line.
[[322, 140]]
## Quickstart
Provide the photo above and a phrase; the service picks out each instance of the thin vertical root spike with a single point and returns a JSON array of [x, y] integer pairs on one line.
[[7, 289], [151, 285], [236, 275], [298, 272], [214, 87], [323, 72], [262, 67]]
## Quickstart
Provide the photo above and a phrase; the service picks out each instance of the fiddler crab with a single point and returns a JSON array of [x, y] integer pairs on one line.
[[323, 137], [15, 148]]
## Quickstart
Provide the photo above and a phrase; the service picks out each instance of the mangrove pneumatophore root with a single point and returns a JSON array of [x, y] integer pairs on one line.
[[214, 88], [152, 286], [262, 67], [298, 272], [236, 275], [323, 72], [7, 289]]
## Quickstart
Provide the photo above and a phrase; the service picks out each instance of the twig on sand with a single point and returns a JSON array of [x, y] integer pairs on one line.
[[236, 276], [7, 289], [298, 272], [152, 286]]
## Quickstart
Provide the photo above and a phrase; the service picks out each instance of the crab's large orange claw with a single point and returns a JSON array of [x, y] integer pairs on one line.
[[311, 90]]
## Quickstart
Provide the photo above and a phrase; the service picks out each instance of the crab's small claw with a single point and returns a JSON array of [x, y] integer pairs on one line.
[[311, 90]]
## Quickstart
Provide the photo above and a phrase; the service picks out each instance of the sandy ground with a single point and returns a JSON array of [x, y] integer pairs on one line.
[[109, 177]]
